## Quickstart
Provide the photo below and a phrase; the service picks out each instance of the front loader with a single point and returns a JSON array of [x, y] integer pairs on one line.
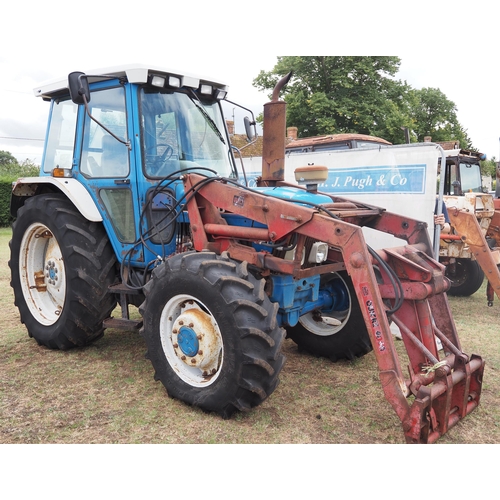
[[471, 251], [138, 203]]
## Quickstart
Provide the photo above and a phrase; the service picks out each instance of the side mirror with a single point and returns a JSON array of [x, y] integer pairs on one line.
[[78, 87], [250, 129]]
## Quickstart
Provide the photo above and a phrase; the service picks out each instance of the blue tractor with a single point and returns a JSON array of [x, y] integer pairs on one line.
[[139, 203]]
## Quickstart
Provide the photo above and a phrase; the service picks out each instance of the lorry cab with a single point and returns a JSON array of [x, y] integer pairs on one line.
[[463, 172], [127, 138]]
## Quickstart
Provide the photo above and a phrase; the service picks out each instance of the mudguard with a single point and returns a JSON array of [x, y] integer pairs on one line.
[[75, 191]]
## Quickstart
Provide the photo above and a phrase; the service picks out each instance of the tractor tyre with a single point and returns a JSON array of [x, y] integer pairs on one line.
[[61, 267], [316, 334], [466, 279], [211, 332]]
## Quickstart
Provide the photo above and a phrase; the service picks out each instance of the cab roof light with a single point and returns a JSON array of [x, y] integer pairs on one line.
[[220, 94], [206, 89], [158, 81], [174, 81]]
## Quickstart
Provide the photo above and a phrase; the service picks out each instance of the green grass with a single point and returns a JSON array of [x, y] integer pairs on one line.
[[105, 393]]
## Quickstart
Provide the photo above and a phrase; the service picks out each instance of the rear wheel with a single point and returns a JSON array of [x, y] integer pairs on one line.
[[212, 333], [61, 266], [338, 333], [466, 277]]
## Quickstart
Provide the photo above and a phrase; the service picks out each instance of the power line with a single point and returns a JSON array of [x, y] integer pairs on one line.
[[21, 138]]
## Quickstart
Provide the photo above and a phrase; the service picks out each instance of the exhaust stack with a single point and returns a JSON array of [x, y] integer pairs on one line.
[[274, 133]]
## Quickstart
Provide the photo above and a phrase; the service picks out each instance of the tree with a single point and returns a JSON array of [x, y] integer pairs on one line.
[[434, 115], [10, 167], [489, 167], [360, 94], [335, 94], [6, 159]]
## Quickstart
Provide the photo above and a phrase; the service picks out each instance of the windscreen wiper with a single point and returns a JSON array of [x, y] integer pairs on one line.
[[196, 101]]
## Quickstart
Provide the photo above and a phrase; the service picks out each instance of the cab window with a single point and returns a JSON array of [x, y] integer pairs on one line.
[[61, 136], [102, 154]]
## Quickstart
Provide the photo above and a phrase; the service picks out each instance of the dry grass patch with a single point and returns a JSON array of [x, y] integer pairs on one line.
[[105, 393]]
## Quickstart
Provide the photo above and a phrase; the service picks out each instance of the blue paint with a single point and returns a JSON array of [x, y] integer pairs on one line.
[[188, 341]]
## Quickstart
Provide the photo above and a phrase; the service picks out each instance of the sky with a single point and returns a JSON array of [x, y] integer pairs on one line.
[[233, 47]]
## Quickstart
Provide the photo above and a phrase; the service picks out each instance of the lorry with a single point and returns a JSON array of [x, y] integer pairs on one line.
[[138, 203], [470, 251]]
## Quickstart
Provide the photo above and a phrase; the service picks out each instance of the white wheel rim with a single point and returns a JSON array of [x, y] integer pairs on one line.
[[321, 325], [191, 340], [42, 274]]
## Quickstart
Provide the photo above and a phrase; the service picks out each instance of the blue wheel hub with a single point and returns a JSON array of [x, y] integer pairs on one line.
[[339, 294], [188, 341]]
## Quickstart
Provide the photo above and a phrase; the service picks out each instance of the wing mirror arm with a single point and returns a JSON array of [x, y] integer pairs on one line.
[[79, 92]]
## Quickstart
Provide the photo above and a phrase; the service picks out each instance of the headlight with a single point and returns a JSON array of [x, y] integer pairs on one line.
[[318, 253]]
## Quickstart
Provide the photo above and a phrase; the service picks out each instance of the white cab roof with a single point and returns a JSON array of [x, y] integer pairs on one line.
[[135, 73]]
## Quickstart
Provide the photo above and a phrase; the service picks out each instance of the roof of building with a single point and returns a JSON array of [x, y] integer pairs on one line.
[[334, 138]]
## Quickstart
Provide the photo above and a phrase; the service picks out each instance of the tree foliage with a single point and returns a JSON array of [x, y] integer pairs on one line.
[[489, 167], [434, 115], [6, 158], [10, 167], [360, 94]]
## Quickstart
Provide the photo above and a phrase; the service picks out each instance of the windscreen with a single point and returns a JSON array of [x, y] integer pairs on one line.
[[470, 177], [181, 133]]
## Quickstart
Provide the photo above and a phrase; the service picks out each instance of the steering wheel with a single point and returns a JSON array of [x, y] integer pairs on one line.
[[167, 154], [156, 162]]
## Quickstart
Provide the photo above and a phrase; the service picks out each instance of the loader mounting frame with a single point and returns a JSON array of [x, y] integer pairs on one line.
[[443, 390]]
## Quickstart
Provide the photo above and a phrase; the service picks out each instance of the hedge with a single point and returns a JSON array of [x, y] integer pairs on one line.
[[5, 193]]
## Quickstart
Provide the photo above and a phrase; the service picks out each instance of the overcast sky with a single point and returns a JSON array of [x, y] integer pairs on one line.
[[44, 44]]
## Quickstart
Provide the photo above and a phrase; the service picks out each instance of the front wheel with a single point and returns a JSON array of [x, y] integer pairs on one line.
[[338, 333], [212, 333], [61, 268], [466, 277]]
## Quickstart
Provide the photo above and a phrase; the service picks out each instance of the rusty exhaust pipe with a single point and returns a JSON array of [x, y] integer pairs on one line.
[[274, 135]]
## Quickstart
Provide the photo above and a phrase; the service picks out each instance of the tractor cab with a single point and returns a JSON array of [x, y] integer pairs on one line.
[[127, 136]]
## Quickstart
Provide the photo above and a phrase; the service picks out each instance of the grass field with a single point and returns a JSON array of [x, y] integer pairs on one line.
[[105, 393]]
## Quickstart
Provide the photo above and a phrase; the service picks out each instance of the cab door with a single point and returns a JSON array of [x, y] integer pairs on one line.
[[107, 165]]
